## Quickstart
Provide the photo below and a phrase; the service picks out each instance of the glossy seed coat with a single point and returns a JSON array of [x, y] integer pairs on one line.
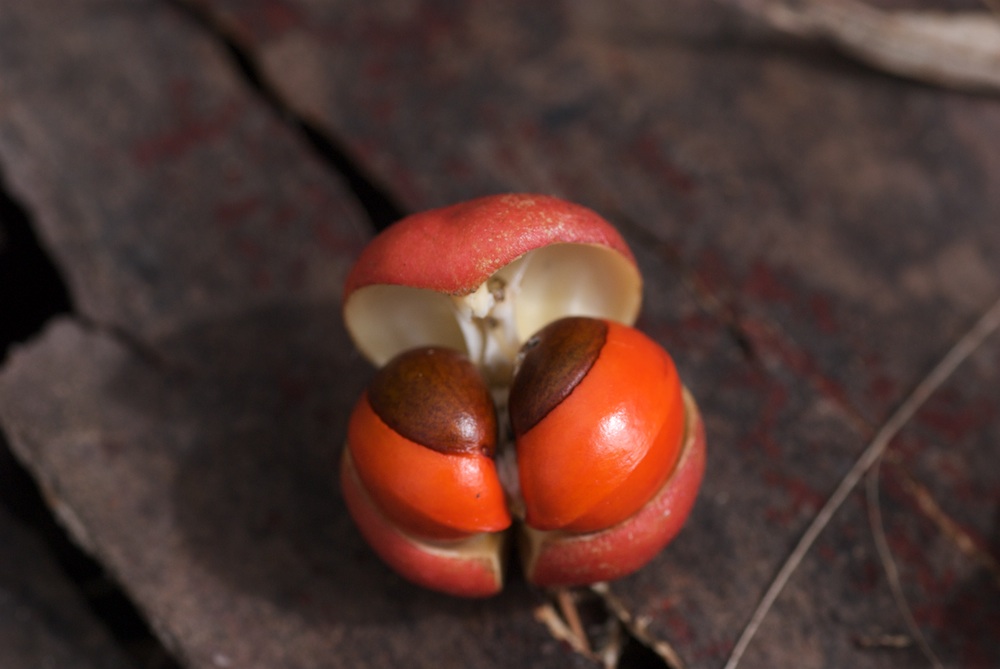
[[599, 454], [437, 398], [552, 363]]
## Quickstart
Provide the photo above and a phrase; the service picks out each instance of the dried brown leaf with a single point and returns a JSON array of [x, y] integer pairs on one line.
[[959, 50]]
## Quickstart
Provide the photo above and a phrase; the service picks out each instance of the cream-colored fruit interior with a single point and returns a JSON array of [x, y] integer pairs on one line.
[[492, 322]]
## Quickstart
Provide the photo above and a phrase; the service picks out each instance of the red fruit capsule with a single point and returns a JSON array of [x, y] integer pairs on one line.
[[606, 449]]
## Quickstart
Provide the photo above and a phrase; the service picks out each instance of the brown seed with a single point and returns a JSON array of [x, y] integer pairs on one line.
[[437, 398], [553, 362]]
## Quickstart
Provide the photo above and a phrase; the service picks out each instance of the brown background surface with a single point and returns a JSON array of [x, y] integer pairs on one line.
[[814, 235]]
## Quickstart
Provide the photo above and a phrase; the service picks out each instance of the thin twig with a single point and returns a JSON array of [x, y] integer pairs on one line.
[[567, 606], [891, 570], [635, 627], [548, 616], [985, 326], [951, 529]]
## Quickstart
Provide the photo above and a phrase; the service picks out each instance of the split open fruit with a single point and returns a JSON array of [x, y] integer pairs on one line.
[[512, 392]]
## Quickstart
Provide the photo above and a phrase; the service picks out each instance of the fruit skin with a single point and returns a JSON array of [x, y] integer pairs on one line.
[[455, 249], [469, 567], [560, 559], [593, 454], [482, 276]]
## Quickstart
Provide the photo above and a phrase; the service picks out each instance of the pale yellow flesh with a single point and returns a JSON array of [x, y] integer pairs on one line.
[[490, 322]]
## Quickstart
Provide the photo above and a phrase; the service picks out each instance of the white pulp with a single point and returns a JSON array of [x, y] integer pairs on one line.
[[486, 318], [492, 321]]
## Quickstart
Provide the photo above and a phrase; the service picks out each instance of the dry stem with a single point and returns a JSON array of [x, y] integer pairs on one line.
[[891, 570]]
